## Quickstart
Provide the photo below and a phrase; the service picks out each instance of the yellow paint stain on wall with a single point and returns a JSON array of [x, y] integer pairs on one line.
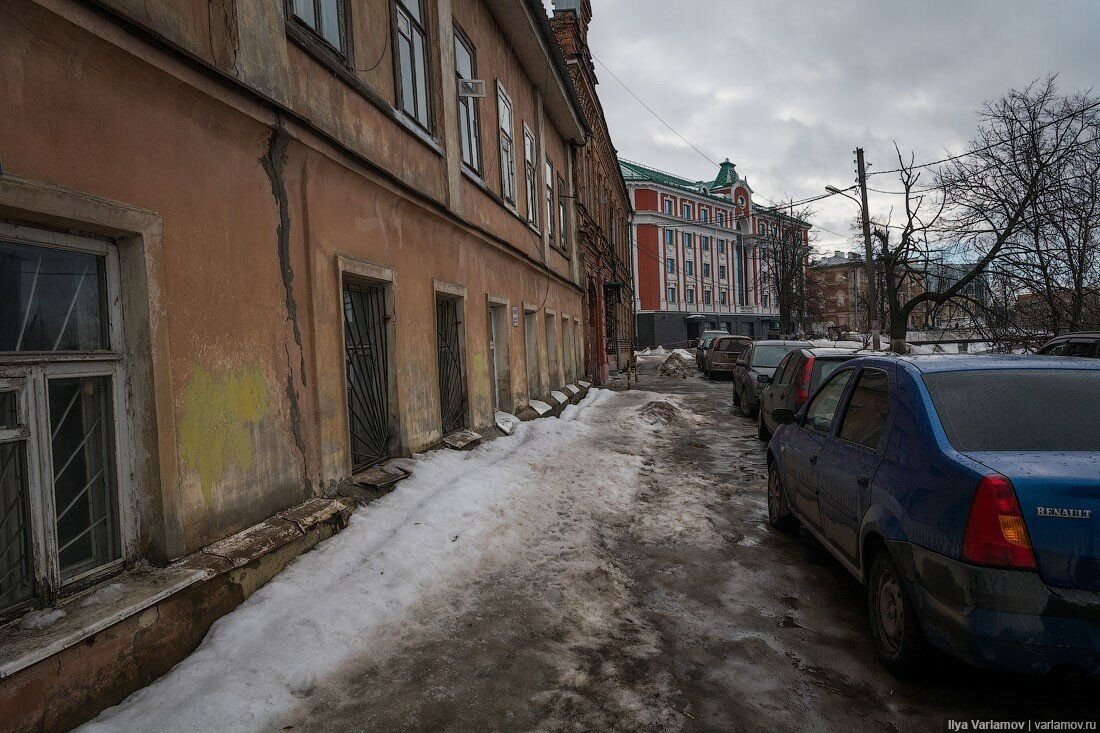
[[218, 412]]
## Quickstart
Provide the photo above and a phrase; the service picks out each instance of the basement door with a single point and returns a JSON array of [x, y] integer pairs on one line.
[[366, 356], [452, 378]]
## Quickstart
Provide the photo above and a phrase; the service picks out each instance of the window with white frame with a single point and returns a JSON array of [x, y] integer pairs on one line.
[[530, 158], [507, 145], [668, 205], [671, 294], [670, 265], [689, 295], [689, 267], [723, 297], [60, 402], [670, 236], [469, 117], [706, 297], [721, 246], [721, 217], [721, 272], [706, 243], [687, 240], [706, 269], [550, 223], [325, 18], [686, 211], [703, 214], [411, 46]]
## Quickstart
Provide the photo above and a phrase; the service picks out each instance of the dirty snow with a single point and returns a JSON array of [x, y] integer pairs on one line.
[[40, 619], [535, 498]]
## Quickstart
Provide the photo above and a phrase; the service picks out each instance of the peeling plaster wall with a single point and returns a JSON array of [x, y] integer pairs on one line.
[[255, 210]]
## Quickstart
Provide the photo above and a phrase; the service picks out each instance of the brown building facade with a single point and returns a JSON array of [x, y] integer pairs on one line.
[[245, 254], [602, 209]]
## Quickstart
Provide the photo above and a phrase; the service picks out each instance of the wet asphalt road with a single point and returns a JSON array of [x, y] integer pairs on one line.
[[674, 608], [820, 621]]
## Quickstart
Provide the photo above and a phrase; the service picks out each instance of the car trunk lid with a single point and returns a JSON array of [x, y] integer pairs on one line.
[[1059, 494]]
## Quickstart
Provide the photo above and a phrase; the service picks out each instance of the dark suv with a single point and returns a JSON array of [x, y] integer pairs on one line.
[[1085, 343], [754, 369], [795, 379]]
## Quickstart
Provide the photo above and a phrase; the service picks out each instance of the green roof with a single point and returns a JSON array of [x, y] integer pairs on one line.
[[727, 175]]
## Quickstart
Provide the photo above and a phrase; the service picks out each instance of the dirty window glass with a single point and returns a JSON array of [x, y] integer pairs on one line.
[[1019, 409], [51, 300], [822, 410], [867, 409]]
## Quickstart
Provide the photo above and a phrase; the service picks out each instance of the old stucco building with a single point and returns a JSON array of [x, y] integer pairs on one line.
[[602, 209], [248, 248]]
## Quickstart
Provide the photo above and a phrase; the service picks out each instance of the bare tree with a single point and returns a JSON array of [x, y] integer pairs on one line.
[[979, 205], [785, 255]]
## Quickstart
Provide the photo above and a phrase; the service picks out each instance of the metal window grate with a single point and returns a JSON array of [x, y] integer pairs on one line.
[[366, 354], [16, 579], [83, 473], [452, 383]]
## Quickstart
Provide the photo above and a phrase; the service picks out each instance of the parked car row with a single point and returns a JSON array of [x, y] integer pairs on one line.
[[962, 491]]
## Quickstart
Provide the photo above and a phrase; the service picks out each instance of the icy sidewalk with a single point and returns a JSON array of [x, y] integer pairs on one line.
[[459, 514]]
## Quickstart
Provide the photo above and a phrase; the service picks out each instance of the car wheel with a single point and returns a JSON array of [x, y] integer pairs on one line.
[[779, 512], [895, 630], [748, 409], [762, 431]]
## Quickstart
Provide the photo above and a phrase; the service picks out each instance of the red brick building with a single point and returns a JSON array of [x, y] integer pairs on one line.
[[698, 262], [602, 208]]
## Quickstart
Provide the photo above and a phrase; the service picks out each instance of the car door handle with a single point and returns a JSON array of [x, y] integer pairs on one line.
[[813, 458], [863, 480]]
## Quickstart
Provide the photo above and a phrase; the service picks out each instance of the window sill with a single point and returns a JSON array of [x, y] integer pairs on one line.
[[89, 612], [512, 208]]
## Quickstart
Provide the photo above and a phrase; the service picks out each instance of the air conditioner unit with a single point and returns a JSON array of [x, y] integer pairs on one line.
[[471, 87]]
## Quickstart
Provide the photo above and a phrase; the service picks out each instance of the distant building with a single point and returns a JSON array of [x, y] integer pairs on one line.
[[602, 207], [837, 286], [697, 259]]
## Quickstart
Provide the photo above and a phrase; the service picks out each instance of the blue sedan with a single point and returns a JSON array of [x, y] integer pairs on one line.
[[964, 492]]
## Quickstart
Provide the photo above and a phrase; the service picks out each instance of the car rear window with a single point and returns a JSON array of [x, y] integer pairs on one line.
[[1019, 409], [731, 345], [822, 369], [769, 356]]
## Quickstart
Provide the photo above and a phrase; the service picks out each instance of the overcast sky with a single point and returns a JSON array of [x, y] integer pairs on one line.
[[787, 89]]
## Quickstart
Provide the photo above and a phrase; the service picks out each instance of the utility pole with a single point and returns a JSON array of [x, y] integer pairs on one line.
[[872, 278]]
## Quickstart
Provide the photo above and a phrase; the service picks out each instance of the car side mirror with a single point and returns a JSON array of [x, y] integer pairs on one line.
[[783, 416], [763, 379]]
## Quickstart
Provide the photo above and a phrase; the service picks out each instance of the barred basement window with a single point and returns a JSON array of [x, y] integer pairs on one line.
[[60, 387]]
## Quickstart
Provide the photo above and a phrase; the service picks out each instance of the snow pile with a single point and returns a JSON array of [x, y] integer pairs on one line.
[[684, 354], [674, 365], [512, 506], [659, 412]]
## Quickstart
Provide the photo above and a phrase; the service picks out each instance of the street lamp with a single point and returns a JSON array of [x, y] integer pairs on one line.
[[872, 281]]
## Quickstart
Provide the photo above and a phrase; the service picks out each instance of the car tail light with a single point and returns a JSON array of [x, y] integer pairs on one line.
[[995, 531], [804, 381]]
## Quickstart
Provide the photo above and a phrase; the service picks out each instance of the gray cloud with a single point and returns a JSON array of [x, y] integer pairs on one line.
[[788, 88]]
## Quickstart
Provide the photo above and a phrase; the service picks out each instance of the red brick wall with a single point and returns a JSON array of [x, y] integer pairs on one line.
[[649, 263], [645, 199]]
